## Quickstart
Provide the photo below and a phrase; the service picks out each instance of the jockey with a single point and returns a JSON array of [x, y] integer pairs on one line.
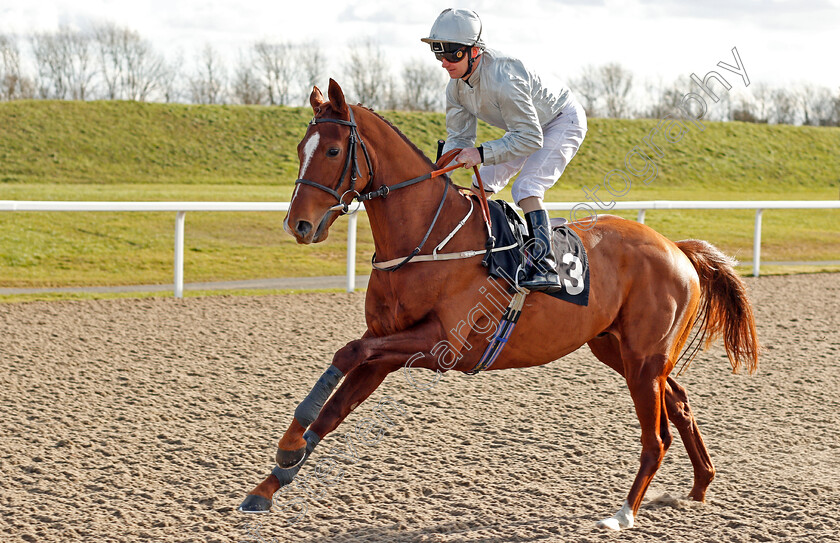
[[544, 128]]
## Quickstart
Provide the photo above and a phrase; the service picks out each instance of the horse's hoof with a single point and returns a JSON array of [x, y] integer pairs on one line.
[[608, 524], [255, 504], [289, 459], [620, 521]]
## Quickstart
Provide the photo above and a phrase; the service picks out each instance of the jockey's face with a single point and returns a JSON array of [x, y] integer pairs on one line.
[[458, 69]]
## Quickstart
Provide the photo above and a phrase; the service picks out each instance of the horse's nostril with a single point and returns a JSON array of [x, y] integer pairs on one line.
[[303, 227]]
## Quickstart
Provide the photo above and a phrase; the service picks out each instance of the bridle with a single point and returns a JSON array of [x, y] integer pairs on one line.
[[351, 165]]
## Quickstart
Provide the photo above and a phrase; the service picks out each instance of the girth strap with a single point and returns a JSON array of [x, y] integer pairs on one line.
[[506, 326]]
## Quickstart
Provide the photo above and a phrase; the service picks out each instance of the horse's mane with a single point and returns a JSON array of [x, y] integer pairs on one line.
[[401, 135]]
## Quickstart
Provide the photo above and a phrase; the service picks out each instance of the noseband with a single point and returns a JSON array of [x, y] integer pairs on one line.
[[351, 165]]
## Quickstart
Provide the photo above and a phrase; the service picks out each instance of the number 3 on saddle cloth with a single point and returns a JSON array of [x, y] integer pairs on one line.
[[572, 264]]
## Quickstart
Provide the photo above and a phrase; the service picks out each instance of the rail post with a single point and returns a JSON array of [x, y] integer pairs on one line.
[[757, 243], [351, 252], [179, 253]]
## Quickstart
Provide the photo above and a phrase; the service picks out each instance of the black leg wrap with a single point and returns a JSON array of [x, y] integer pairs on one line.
[[258, 504], [288, 459], [308, 410], [285, 475]]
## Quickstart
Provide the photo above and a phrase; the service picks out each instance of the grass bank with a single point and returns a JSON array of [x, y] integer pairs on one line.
[[132, 151]]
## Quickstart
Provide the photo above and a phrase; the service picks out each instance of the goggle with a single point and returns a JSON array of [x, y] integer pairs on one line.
[[451, 52]]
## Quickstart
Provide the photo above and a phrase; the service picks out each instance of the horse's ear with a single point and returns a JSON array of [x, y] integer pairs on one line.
[[316, 99], [339, 104]]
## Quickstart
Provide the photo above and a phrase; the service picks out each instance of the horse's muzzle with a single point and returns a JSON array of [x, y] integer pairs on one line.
[[302, 229]]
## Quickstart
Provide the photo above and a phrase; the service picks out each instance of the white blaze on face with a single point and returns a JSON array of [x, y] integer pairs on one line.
[[308, 152]]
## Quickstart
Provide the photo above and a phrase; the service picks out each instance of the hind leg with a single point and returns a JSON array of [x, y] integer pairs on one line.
[[680, 414], [607, 350], [647, 387]]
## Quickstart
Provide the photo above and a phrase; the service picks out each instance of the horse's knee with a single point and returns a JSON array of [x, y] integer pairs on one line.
[[676, 399], [679, 412], [351, 355]]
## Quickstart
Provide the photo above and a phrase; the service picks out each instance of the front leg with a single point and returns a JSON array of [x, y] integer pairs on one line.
[[392, 349], [366, 362]]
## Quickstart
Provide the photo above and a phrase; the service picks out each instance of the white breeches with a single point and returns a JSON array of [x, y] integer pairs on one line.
[[539, 171]]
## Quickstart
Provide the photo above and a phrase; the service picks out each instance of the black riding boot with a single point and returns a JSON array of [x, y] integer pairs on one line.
[[540, 266]]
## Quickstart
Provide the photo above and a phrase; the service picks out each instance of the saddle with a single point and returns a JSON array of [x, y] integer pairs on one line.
[[572, 264]]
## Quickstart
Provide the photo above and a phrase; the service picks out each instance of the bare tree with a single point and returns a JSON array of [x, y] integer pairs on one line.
[[143, 69], [246, 87], [723, 110], [762, 93], [312, 64], [784, 107], [49, 59], [822, 107], [367, 70], [13, 84], [833, 114], [80, 70], [64, 63], [744, 112], [170, 80], [616, 83], [587, 87], [276, 67], [207, 86], [128, 64], [108, 40], [816, 104], [392, 96], [423, 86], [666, 99]]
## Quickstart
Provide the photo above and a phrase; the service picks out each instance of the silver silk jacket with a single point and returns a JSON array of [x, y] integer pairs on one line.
[[504, 93]]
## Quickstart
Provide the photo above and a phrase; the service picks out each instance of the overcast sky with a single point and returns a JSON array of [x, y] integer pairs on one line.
[[781, 42]]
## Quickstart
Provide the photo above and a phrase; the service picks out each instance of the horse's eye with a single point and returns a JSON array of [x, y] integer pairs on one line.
[[333, 152]]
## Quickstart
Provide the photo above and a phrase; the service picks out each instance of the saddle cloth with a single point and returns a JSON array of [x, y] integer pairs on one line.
[[569, 252]]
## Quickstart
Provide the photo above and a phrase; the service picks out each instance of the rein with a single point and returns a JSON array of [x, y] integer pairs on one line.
[[351, 165]]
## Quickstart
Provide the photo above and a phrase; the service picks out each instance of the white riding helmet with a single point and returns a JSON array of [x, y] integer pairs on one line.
[[456, 26]]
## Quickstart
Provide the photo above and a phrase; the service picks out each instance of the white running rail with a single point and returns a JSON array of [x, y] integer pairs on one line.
[[181, 208]]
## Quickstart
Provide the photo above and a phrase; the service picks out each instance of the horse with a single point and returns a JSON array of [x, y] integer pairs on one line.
[[648, 295]]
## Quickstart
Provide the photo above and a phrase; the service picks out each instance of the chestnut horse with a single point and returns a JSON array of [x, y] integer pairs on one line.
[[646, 295]]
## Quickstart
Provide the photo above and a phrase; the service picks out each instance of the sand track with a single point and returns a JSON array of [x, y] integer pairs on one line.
[[148, 420]]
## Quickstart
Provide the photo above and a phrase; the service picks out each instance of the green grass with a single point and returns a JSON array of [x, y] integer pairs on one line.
[[126, 151], [71, 296]]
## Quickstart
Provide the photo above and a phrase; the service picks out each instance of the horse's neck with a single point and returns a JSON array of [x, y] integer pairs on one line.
[[399, 221]]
